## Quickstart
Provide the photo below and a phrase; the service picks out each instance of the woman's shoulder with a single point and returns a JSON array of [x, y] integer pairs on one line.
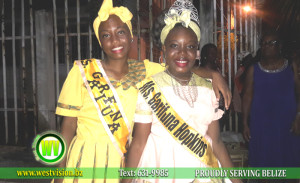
[[163, 79], [152, 68], [202, 82], [75, 71], [86, 61]]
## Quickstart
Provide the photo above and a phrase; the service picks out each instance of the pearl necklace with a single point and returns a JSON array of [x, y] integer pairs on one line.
[[188, 92]]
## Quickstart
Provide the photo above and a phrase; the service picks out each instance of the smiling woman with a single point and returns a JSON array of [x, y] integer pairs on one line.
[[180, 50], [115, 39], [176, 115], [99, 97]]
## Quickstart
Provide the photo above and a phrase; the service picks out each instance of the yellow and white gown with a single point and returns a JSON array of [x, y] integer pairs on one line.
[[161, 149], [92, 147]]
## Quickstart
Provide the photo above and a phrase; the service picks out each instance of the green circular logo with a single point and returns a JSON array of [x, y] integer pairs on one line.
[[49, 147]]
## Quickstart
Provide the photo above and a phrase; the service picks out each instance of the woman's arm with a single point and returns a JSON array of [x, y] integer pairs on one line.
[[219, 84], [296, 124], [246, 101], [140, 136], [219, 148], [68, 131]]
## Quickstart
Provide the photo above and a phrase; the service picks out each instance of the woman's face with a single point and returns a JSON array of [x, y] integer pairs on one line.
[[270, 47], [180, 50], [115, 38], [212, 55]]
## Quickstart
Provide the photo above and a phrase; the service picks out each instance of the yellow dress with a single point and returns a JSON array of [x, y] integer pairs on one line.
[[91, 147]]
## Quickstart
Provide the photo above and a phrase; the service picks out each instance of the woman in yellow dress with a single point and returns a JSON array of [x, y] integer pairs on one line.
[[98, 98]]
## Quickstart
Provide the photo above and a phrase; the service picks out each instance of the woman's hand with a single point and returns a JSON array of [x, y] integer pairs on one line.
[[140, 137], [246, 132], [219, 85], [68, 131]]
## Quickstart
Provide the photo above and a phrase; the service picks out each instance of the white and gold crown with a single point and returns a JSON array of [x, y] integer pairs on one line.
[[180, 6], [184, 12]]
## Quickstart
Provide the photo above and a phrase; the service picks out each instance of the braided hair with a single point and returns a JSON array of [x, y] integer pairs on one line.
[[158, 26]]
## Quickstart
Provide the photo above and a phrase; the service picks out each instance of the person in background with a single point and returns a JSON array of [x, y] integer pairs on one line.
[[208, 60], [208, 57], [246, 60], [271, 111]]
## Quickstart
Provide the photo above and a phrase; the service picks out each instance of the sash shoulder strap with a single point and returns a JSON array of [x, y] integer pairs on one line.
[[107, 103]]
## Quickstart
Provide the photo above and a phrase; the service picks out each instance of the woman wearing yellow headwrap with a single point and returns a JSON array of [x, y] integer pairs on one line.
[[176, 118], [98, 98]]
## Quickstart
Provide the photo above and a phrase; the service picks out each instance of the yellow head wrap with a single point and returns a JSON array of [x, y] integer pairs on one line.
[[106, 10], [184, 18]]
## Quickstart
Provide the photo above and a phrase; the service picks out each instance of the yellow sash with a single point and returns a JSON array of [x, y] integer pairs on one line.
[[107, 103], [184, 134]]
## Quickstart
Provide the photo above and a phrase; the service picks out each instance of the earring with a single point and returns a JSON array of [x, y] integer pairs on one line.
[[132, 40], [162, 61]]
